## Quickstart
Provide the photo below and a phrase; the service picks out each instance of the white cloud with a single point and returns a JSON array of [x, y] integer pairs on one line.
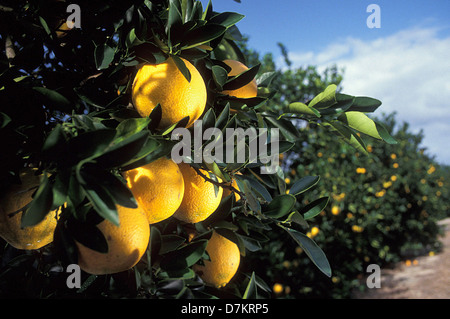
[[408, 71]]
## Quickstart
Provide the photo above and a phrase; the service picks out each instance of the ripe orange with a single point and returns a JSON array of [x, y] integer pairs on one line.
[[127, 243], [17, 197], [165, 84], [200, 199], [223, 264], [335, 210], [247, 91], [158, 188]]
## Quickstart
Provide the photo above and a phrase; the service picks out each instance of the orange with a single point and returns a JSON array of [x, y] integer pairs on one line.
[[165, 84], [223, 264], [17, 197], [247, 91], [335, 210], [62, 29], [127, 243], [158, 187], [200, 199]]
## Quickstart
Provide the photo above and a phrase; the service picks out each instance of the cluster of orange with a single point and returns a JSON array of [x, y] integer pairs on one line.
[[162, 188]]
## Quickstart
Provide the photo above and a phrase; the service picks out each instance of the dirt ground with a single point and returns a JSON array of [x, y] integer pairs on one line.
[[429, 278]]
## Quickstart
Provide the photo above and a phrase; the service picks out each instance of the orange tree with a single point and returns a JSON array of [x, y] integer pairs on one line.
[[384, 207], [69, 114]]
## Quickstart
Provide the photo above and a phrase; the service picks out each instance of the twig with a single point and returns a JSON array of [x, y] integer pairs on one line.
[[223, 184]]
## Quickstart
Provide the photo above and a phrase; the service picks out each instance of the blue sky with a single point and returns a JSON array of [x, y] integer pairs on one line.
[[405, 63]]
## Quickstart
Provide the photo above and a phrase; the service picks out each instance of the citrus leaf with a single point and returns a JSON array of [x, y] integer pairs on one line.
[[251, 289], [304, 184], [360, 122], [349, 136], [220, 76], [202, 35], [131, 126], [87, 234], [312, 250], [222, 212], [242, 79], [226, 19], [314, 208], [54, 99], [103, 55], [325, 99], [100, 198], [40, 205], [182, 67], [117, 154], [302, 108], [365, 104], [89, 144], [184, 257], [4, 120], [280, 206]]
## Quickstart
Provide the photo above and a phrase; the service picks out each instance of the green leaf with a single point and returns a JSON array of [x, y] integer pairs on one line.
[[87, 234], [131, 126], [314, 208], [209, 119], [385, 134], [170, 243], [202, 35], [286, 127], [54, 99], [343, 103], [226, 19], [121, 153], [40, 205], [89, 144], [222, 212], [4, 120], [297, 218], [251, 289], [256, 186], [182, 67], [242, 79], [45, 26], [117, 187], [349, 136], [103, 55], [252, 201], [325, 99], [302, 108], [265, 79], [365, 104], [54, 140], [311, 249], [220, 76], [184, 257], [280, 206], [174, 17], [360, 122], [223, 117], [304, 184], [60, 188], [100, 198]]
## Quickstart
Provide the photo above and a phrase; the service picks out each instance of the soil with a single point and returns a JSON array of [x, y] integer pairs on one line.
[[428, 278]]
